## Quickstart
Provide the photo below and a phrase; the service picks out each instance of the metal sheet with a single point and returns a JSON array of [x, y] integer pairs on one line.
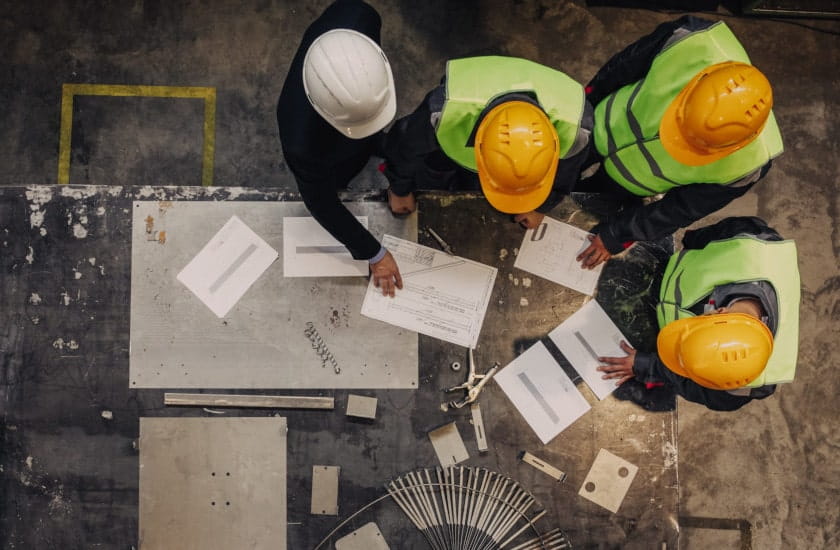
[[177, 342], [366, 537], [212, 483]]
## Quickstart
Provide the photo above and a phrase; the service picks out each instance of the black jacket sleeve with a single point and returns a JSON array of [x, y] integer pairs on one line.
[[633, 62], [321, 199], [679, 207], [649, 368], [727, 228]]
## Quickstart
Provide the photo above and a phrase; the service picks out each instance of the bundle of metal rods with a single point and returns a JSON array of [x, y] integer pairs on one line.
[[462, 508]]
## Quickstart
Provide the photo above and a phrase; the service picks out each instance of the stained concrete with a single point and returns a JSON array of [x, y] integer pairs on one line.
[[773, 464]]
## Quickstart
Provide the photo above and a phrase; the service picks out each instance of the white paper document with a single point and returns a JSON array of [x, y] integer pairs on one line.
[[443, 296], [310, 251], [542, 392], [550, 251], [587, 334], [227, 266]]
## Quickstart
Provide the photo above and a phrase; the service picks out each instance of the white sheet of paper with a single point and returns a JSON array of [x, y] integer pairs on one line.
[[310, 251], [542, 392], [443, 296], [587, 334], [549, 251], [223, 271]]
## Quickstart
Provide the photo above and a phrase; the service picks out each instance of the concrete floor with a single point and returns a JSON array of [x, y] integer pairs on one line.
[[774, 464]]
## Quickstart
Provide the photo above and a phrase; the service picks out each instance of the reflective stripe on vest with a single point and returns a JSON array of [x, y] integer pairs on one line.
[[627, 121], [691, 275], [472, 83]]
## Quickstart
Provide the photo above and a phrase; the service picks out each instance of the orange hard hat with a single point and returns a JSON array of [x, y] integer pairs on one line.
[[722, 109], [720, 352], [516, 152]]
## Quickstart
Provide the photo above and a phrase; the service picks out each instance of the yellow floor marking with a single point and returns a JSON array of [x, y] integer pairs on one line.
[[69, 91]]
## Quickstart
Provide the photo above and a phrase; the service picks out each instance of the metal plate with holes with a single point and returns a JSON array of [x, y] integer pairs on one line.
[[608, 480], [366, 537], [212, 483], [178, 342], [324, 490]]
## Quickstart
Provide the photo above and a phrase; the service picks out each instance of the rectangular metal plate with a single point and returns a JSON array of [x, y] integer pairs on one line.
[[448, 445], [177, 342], [212, 483], [361, 406], [324, 490]]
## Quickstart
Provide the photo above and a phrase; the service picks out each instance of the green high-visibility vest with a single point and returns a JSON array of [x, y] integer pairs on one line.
[[627, 122], [691, 275], [473, 82]]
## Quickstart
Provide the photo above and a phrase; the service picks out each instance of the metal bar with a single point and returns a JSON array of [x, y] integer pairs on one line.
[[233, 400]]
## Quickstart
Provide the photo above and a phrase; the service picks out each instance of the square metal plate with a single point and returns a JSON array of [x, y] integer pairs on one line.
[[212, 483]]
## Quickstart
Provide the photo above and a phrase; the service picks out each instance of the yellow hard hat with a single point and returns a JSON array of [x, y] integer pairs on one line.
[[516, 152], [720, 352], [721, 110]]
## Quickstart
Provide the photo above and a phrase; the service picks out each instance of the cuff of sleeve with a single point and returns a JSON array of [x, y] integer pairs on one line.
[[612, 243], [379, 255], [643, 367]]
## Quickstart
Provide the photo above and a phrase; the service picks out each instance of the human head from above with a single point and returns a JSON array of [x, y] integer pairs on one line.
[[516, 153], [722, 109], [349, 82], [724, 350]]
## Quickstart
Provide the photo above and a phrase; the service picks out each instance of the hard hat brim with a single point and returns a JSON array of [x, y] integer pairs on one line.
[[516, 204], [667, 345], [385, 116], [676, 145]]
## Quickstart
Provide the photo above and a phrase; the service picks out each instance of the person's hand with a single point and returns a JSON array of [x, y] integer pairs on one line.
[[619, 367], [595, 254], [401, 205], [529, 220], [386, 275]]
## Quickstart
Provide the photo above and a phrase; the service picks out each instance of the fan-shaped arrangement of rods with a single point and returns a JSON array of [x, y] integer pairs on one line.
[[462, 508]]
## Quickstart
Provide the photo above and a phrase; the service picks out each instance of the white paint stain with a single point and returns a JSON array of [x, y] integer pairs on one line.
[[58, 343], [72, 344], [526, 282], [31, 256], [36, 218], [35, 299], [636, 418], [503, 253], [43, 231], [65, 298], [35, 320], [510, 276], [102, 270], [79, 231], [516, 281], [77, 274], [39, 194], [516, 252], [29, 460], [79, 192], [100, 211], [92, 261], [523, 302], [669, 453]]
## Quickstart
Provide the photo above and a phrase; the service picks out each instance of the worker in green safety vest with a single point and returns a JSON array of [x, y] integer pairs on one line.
[[522, 127], [683, 114], [744, 276]]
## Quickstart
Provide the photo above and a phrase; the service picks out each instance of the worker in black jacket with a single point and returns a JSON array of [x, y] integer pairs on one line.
[[338, 96], [679, 113], [729, 320]]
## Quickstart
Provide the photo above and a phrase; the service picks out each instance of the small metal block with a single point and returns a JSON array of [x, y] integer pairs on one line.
[[361, 406]]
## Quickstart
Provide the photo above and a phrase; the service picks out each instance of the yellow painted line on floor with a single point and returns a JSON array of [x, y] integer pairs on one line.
[[69, 91]]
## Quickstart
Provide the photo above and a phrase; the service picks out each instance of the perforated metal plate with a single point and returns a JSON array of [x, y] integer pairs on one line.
[[177, 342], [212, 483]]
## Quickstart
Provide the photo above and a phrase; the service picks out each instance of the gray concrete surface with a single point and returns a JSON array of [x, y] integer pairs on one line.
[[774, 464]]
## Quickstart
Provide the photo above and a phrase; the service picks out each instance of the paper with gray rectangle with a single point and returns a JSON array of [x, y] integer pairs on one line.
[[542, 392], [310, 251], [223, 271], [177, 342], [550, 251], [587, 334]]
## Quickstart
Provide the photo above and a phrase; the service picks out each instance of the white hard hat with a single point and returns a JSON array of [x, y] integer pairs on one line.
[[348, 81]]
